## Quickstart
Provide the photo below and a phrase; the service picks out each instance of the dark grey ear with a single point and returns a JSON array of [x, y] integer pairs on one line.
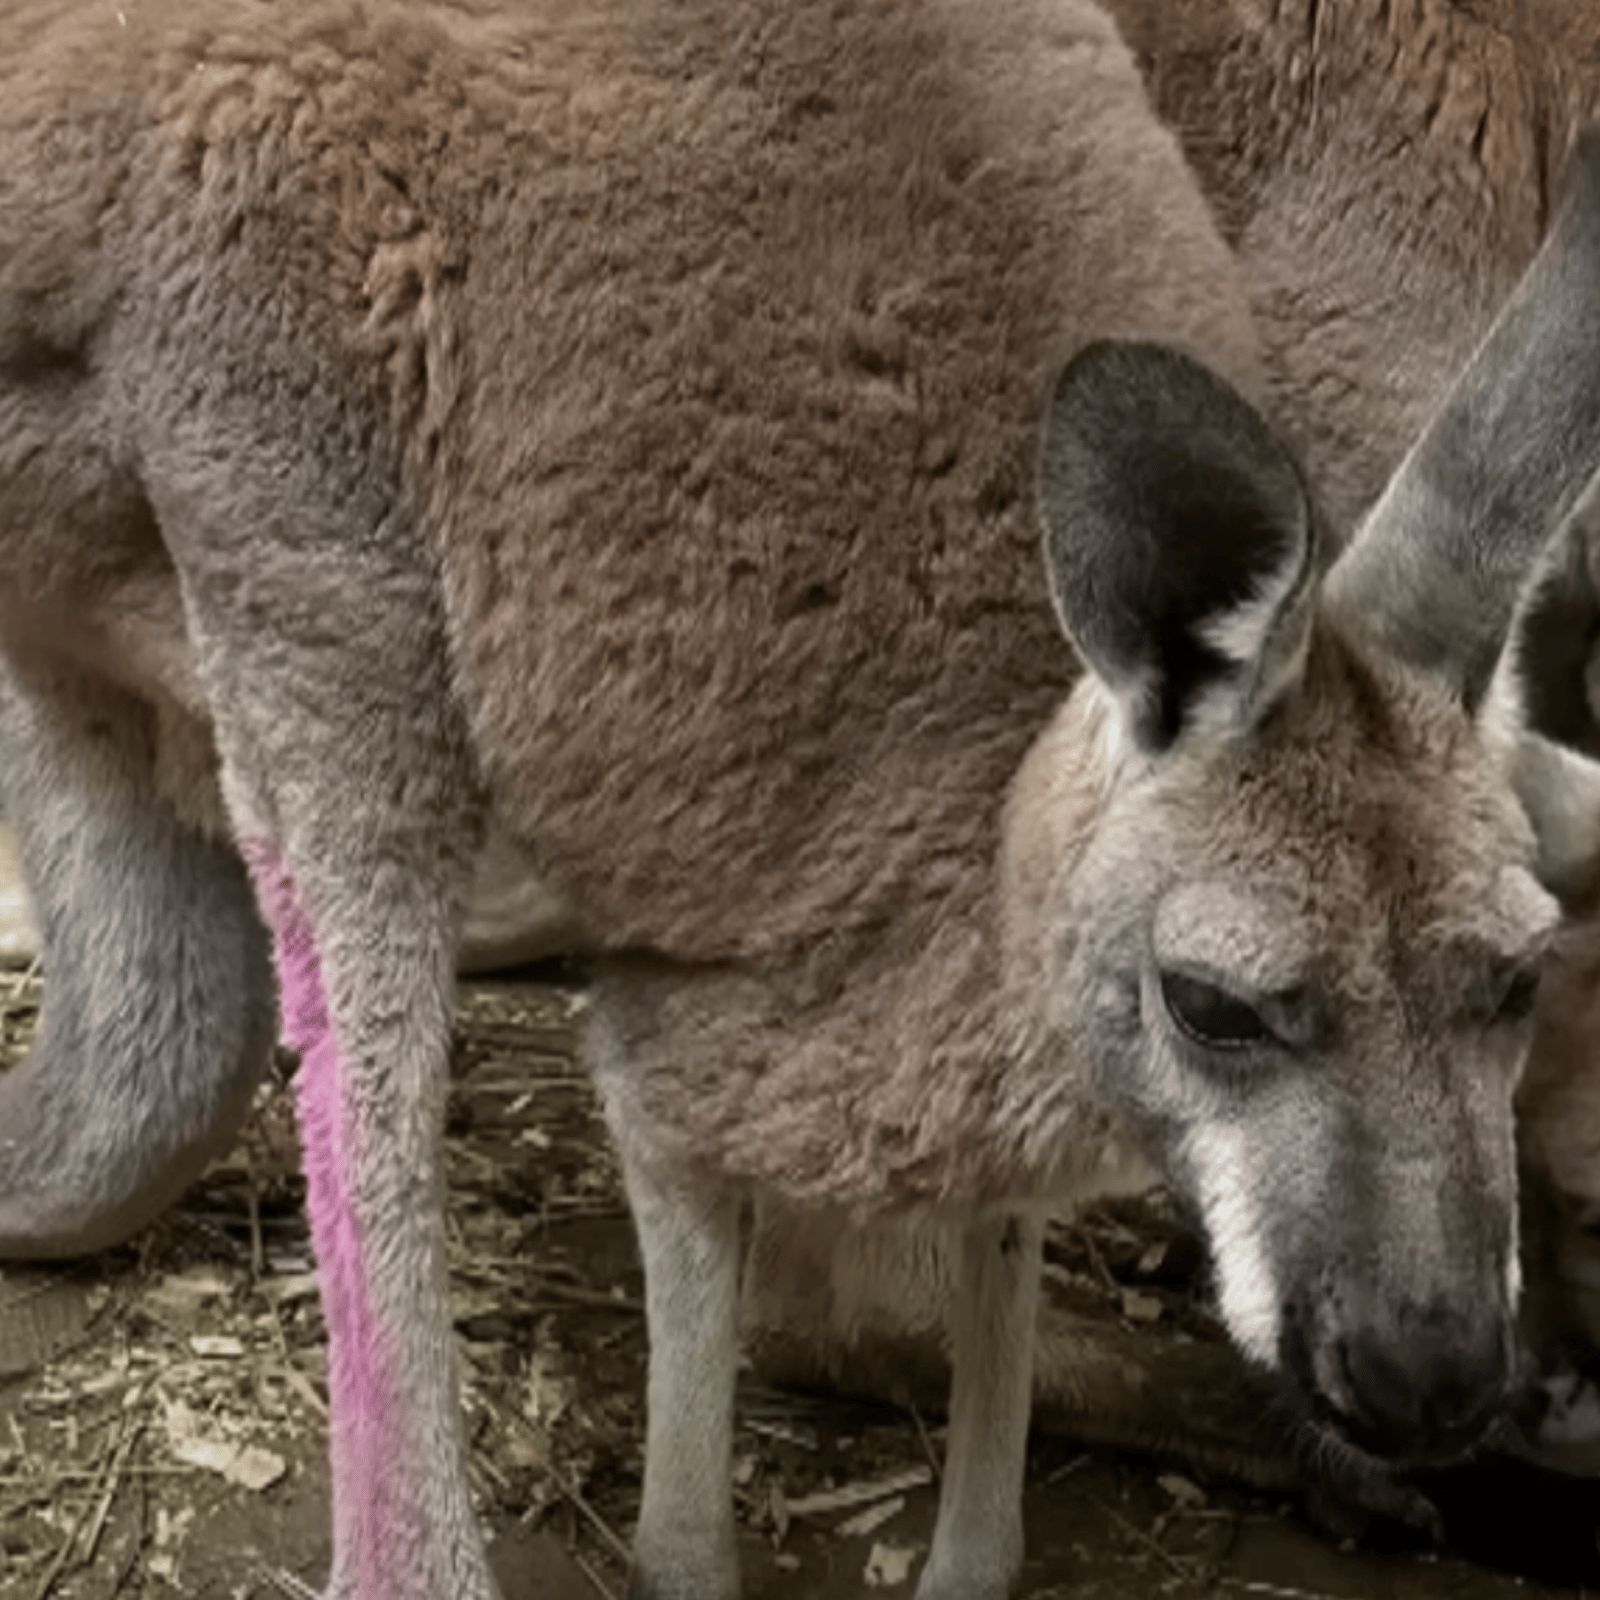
[[1434, 573], [1179, 541], [1546, 700]]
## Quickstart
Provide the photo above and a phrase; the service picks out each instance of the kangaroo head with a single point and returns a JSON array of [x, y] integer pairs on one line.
[[1297, 910]]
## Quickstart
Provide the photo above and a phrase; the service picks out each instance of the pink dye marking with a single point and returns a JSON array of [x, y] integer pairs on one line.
[[366, 1403]]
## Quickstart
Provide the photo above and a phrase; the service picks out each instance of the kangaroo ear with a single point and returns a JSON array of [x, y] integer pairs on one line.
[[1545, 700], [1434, 574], [1179, 541]]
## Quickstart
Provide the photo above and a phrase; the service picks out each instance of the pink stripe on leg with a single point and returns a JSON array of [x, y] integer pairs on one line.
[[366, 1403]]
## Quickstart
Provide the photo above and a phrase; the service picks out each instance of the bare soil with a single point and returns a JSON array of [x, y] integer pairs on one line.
[[163, 1414]]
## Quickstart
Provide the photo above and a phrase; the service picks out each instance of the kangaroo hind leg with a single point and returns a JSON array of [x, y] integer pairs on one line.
[[353, 794]]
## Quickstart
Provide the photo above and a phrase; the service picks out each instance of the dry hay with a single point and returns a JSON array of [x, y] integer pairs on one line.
[[163, 1407], [191, 1364]]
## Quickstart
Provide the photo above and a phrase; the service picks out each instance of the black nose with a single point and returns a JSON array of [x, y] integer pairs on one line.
[[1430, 1394]]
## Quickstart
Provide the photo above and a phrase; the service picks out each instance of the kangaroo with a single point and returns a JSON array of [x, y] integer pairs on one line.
[[620, 422], [1384, 174], [1437, 129]]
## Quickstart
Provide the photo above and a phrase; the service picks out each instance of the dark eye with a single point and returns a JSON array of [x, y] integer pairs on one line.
[[1211, 1016], [1519, 996]]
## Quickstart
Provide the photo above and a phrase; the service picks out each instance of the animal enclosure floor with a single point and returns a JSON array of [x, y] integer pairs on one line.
[[162, 1407]]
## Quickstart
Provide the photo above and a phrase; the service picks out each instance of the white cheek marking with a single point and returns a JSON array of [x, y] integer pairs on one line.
[[1246, 1290]]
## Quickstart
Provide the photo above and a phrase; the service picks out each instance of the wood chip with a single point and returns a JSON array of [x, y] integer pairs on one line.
[[849, 1495], [889, 1565], [247, 1465], [1138, 1307], [1187, 1494], [218, 1345], [870, 1520]]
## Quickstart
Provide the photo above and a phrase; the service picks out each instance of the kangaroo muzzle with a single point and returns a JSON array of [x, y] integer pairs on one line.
[[1422, 1385], [1432, 1393]]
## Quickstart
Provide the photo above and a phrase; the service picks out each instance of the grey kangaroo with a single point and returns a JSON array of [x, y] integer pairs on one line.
[[1384, 175], [621, 423]]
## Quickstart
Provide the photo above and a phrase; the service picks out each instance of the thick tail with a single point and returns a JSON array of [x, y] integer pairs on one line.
[[159, 1014]]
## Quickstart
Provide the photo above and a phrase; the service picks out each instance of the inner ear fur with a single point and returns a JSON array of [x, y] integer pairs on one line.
[[1178, 538], [1545, 700]]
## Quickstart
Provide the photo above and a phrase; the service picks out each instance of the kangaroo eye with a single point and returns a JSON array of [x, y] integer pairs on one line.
[[1210, 1016]]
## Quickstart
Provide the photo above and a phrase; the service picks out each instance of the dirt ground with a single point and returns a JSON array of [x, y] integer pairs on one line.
[[162, 1408]]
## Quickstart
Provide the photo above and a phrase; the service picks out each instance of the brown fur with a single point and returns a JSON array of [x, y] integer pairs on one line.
[[1384, 171], [622, 417], [620, 422], [737, 469], [706, 460]]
